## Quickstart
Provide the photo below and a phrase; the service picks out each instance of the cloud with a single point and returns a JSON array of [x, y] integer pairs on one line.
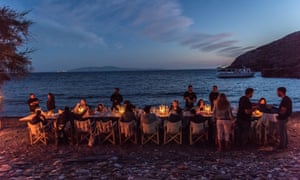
[[159, 18], [98, 23], [207, 42], [199, 38], [234, 51], [218, 45]]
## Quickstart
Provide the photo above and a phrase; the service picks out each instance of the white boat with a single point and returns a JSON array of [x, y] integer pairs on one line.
[[235, 73]]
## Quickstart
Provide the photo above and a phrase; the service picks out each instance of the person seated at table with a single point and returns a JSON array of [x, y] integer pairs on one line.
[[39, 117], [51, 103], [176, 113], [81, 110], [63, 118], [200, 106], [262, 105], [101, 108], [223, 115], [196, 118], [266, 108], [148, 117], [128, 115], [33, 103]]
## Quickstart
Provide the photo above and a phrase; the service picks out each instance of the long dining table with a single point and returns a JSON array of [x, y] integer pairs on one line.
[[31, 116], [105, 116]]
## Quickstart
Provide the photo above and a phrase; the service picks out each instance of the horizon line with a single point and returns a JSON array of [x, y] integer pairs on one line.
[[129, 69]]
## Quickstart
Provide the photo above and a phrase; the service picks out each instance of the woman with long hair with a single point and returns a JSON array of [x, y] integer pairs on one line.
[[223, 115]]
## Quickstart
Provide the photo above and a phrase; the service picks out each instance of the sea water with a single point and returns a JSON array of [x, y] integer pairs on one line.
[[140, 87]]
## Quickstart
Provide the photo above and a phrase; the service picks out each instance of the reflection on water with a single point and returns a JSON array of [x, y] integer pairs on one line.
[[140, 87]]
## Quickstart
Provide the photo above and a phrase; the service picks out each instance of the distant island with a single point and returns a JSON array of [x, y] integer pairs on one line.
[[102, 69], [280, 58]]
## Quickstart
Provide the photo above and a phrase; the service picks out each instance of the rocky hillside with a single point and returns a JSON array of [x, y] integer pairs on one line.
[[280, 58]]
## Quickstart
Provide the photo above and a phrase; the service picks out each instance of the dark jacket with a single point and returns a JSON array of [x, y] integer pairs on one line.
[[50, 105]]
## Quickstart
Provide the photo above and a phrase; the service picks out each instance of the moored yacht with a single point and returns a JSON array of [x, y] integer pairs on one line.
[[225, 72]]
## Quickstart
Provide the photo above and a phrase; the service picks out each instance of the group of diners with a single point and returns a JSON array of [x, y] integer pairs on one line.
[[221, 111]]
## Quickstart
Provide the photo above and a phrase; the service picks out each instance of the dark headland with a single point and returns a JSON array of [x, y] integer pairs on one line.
[[280, 58]]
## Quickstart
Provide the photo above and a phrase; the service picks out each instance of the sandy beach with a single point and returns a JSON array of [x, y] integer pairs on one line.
[[20, 160]]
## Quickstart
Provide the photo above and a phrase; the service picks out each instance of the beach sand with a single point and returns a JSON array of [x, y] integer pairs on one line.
[[20, 160]]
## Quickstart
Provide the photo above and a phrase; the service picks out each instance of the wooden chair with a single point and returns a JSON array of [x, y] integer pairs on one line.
[[127, 132], [37, 133], [198, 132], [173, 132], [105, 131], [150, 133], [83, 131], [266, 128]]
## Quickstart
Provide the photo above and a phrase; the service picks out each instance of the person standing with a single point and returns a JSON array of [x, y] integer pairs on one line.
[[213, 96], [33, 103], [190, 98], [244, 117], [51, 103], [116, 99], [285, 111], [223, 115]]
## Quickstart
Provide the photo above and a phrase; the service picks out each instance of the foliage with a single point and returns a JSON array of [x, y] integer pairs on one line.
[[14, 34]]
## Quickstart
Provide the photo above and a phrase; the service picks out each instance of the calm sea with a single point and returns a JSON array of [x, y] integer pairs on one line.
[[140, 87]]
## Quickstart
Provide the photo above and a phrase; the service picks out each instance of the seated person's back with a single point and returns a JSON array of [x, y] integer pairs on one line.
[[66, 116], [175, 118], [38, 118], [149, 118], [128, 115], [196, 118]]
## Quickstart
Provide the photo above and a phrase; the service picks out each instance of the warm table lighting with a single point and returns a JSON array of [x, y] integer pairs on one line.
[[207, 108], [257, 113], [163, 109], [122, 109], [80, 110]]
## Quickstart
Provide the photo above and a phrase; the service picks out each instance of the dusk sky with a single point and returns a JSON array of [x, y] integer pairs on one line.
[[170, 34]]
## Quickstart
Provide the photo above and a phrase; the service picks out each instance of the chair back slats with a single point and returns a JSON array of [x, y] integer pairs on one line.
[[105, 131], [37, 133], [149, 128], [106, 127], [127, 128], [35, 129], [173, 127], [197, 128], [83, 126]]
